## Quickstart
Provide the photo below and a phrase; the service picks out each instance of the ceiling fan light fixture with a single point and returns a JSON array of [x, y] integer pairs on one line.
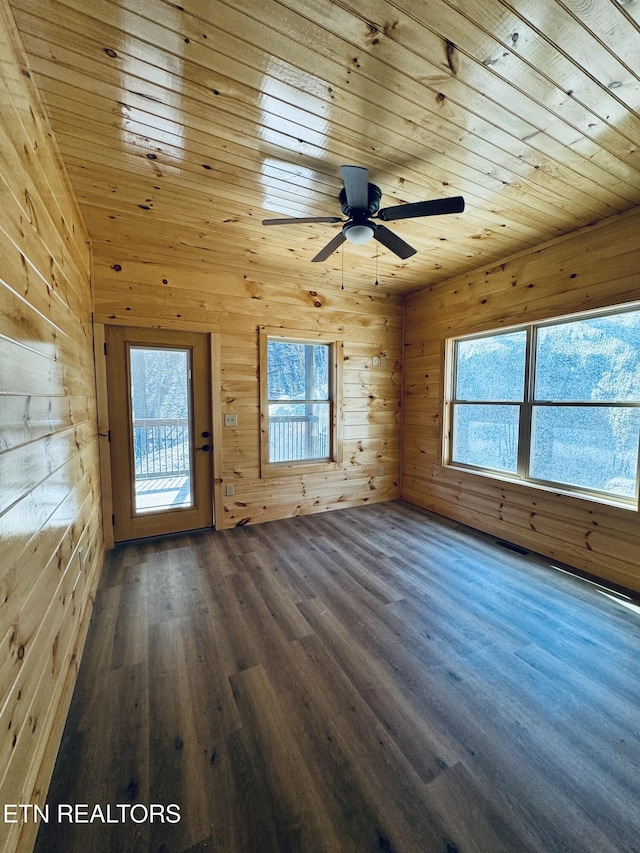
[[358, 233]]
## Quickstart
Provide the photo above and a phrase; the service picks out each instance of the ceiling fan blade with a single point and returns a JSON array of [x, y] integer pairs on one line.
[[298, 221], [396, 244], [423, 208], [356, 186], [330, 248]]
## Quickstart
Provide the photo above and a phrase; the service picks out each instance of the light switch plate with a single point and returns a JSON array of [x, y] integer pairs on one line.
[[231, 420], [230, 490]]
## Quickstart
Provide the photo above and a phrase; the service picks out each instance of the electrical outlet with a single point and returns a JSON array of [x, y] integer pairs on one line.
[[231, 420], [383, 360], [230, 490], [381, 471]]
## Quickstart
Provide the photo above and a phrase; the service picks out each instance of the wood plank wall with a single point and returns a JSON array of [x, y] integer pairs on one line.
[[591, 268], [138, 284], [50, 526]]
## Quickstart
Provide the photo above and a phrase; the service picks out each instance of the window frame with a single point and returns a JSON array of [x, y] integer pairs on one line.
[[336, 349], [526, 411]]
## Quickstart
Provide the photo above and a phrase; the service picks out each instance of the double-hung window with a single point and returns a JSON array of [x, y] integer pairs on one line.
[[555, 404], [299, 378]]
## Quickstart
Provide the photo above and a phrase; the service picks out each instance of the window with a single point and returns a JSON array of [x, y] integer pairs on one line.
[[555, 404], [299, 402]]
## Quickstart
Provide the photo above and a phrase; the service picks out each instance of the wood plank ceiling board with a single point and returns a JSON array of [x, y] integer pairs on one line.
[[183, 126]]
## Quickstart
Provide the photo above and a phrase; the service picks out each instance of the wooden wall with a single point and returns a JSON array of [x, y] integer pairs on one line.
[[137, 283], [50, 528], [591, 268]]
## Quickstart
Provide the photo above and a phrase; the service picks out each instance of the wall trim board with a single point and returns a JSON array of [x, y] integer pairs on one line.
[[104, 447], [151, 322], [216, 425]]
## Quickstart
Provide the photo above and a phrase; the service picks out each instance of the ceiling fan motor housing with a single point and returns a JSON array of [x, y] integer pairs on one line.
[[374, 195]]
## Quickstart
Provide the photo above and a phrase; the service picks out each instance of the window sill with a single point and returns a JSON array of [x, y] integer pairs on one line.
[[630, 504], [305, 466]]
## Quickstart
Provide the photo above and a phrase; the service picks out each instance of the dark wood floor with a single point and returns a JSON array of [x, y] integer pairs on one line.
[[371, 679]]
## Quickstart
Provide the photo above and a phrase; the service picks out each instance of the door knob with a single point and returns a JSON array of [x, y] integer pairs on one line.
[[204, 447], [205, 434]]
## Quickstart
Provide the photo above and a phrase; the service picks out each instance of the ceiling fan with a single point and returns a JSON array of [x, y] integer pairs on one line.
[[360, 202]]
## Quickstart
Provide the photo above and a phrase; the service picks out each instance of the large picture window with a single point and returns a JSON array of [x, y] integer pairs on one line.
[[299, 402], [556, 404]]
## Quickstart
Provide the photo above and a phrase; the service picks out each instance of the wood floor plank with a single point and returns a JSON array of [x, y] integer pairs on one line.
[[286, 783], [178, 759], [97, 656], [131, 637], [129, 760], [371, 679], [486, 826]]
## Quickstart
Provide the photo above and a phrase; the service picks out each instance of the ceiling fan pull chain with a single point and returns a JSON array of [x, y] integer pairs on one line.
[[342, 255]]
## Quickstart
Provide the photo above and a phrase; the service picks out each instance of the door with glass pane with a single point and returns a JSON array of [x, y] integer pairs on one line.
[[160, 428]]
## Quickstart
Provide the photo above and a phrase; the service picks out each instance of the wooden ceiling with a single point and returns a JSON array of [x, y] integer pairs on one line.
[[182, 126]]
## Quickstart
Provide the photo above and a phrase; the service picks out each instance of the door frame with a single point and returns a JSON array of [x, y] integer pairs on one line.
[[102, 406]]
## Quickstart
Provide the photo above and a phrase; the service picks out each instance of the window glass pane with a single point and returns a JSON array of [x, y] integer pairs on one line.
[[486, 436], [593, 359], [297, 371], [160, 395], [298, 431], [491, 368], [596, 448]]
